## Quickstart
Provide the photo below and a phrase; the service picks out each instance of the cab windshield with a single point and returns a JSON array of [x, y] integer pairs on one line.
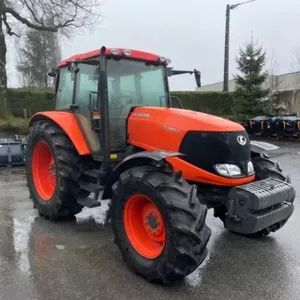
[[130, 83]]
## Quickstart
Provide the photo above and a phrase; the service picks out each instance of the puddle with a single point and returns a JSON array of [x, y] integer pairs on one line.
[[60, 247], [195, 278]]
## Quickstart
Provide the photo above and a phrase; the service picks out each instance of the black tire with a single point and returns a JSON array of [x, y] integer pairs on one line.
[[187, 234], [265, 168], [68, 168]]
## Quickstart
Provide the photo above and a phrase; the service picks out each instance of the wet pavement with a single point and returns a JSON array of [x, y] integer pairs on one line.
[[43, 260]]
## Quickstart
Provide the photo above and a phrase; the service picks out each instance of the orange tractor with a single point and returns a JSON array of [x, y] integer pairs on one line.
[[114, 135]]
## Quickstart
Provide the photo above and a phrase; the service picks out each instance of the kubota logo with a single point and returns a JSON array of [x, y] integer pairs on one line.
[[241, 140], [142, 115]]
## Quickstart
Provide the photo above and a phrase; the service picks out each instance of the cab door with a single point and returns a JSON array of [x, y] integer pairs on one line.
[[85, 85]]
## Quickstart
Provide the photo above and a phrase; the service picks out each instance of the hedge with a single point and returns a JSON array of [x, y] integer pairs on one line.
[[33, 100], [12, 126], [217, 103], [30, 99]]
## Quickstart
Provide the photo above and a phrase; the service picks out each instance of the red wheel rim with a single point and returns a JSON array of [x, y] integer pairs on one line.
[[144, 226], [43, 170]]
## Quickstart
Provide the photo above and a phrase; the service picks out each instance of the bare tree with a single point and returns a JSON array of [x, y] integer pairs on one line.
[[61, 16], [273, 69], [38, 51], [295, 67], [274, 83]]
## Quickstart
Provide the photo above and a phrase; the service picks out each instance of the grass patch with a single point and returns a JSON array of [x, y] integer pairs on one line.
[[14, 125]]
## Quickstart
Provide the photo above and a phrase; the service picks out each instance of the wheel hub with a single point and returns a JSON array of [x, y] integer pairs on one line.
[[152, 221], [152, 225], [144, 226], [43, 170]]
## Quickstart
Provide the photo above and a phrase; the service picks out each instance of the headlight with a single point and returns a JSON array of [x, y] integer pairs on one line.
[[228, 170], [250, 168]]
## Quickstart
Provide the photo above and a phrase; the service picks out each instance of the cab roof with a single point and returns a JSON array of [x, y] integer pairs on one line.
[[129, 53]]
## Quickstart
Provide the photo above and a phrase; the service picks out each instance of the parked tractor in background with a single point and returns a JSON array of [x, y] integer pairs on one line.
[[114, 135]]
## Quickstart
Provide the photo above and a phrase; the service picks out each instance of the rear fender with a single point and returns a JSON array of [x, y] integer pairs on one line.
[[67, 122], [261, 147], [138, 159]]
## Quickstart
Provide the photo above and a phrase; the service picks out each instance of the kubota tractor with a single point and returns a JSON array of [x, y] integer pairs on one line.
[[114, 135]]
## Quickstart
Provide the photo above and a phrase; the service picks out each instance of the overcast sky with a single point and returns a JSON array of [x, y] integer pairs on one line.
[[190, 33]]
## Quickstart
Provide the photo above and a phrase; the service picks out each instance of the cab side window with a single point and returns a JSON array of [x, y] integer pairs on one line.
[[65, 90], [87, 82]]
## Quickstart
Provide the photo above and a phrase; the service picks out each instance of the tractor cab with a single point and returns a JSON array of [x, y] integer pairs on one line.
[[101, 87]]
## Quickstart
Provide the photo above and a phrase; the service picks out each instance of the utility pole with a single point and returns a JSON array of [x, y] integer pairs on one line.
[[226, 50]]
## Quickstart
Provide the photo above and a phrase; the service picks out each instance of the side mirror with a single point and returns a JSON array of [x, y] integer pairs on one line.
[[52, 72], [197, 77], [176, 100]]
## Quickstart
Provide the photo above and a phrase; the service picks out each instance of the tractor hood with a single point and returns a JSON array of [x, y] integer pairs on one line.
[[164, 128]]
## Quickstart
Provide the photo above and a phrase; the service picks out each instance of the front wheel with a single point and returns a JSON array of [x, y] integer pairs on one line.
[[159, 224], [265, 168]]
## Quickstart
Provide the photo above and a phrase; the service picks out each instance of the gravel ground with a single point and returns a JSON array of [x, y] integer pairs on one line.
[[78, 260]]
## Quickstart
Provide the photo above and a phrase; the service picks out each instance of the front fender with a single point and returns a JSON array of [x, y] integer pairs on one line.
[[137, 159], [157, 155], [262, 147]]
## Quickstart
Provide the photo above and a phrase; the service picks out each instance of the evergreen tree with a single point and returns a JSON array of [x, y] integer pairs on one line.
[[250, 96], [40, 52]]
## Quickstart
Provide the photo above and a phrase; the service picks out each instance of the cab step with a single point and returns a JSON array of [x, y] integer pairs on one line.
[[95, 173], [91, 187], [89, 202]]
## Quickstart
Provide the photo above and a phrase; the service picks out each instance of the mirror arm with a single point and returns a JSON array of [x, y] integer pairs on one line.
[[197, 74]]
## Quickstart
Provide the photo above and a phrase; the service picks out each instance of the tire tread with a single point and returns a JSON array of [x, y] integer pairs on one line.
[[186, 220], [68, 164]]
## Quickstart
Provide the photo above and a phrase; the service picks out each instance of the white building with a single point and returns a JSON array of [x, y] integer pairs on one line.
[[288, 81]]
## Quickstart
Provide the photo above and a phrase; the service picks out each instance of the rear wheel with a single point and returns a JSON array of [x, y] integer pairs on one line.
[[53, 167], [159, 224]]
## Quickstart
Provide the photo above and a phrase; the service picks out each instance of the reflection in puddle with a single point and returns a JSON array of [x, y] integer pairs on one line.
[[60, 247], [22, 228]]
